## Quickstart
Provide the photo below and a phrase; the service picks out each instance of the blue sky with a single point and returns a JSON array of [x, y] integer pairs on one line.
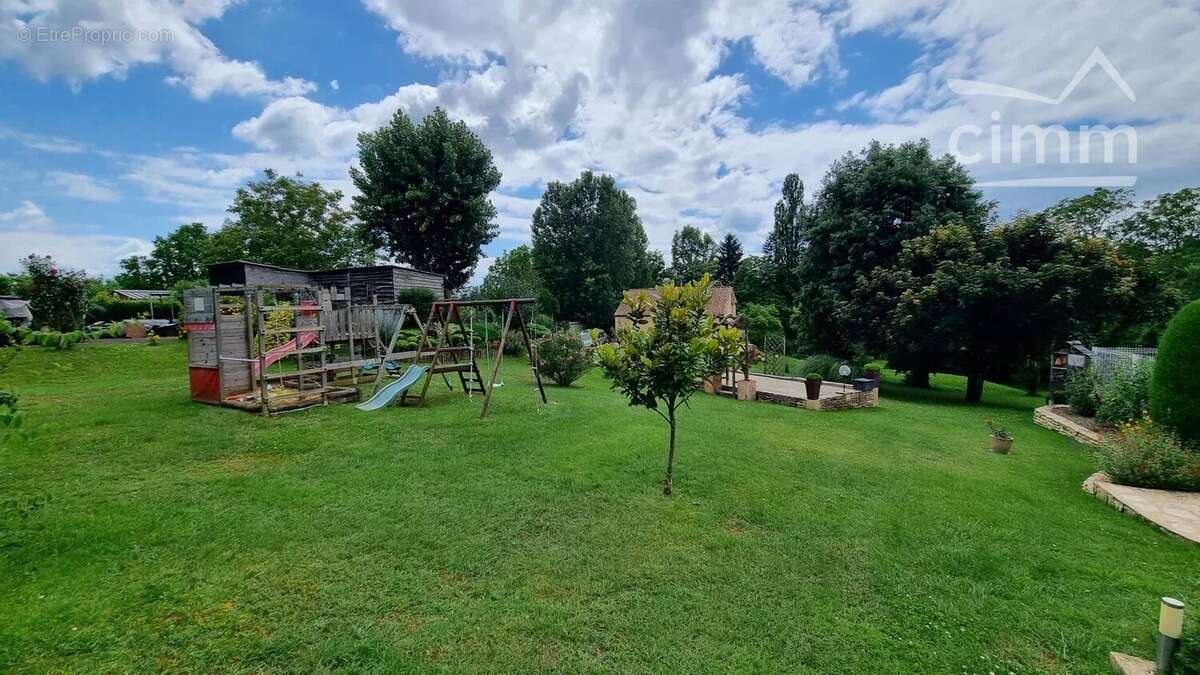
[[698, 108]]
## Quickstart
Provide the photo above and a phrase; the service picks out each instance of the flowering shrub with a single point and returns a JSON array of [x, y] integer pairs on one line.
[[57, 298], [563, 358], [1143, 455]]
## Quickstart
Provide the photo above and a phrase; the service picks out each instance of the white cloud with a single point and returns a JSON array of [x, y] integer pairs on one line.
[[80, 186], [637, 90], [27, 216], [51, 144], [83, 40], [27, 229], [638, 95]]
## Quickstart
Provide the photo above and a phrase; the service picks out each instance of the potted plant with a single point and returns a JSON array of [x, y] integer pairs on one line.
[[747, 389], [1002, 439], [713, 384], [812, 386], [872, 370]]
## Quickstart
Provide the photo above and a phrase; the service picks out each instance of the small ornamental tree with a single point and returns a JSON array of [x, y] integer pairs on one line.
[[657, 366], [1175, 389]]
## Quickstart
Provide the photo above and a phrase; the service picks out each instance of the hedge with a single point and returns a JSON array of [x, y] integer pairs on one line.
[[121, 310], [1175, 388]]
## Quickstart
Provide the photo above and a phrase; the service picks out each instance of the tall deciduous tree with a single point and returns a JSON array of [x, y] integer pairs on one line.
[[513, 275], [755, 280], [424, 194], [654, 271], [729, 256], [1093, 214], [291, 223], [1167, 222], [870, 203], [136, 272], [182, 254], [693, 254], [978, 302], [657, 366], [785, 245], [177, 257], [589, 246]]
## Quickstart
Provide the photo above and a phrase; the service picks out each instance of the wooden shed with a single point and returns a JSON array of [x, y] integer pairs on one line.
[[374, 283]]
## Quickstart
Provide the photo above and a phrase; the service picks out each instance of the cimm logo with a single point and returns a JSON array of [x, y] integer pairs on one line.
[[1087, 144]]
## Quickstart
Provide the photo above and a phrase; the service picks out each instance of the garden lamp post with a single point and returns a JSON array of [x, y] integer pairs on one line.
[[1170, 628]]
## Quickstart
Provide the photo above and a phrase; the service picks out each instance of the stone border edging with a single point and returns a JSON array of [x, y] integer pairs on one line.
[[1173, 512], [1046, 417]]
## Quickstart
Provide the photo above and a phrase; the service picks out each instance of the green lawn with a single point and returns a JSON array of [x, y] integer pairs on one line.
[[182, 537]]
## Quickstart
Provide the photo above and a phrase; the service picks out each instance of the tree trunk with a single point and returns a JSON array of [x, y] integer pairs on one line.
[[974, 387], [917, 378], [670, 452]]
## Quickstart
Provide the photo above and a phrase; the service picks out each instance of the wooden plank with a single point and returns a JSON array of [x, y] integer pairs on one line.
[[533, 359], [480, 303], [294, 308], [487, 396], [317, 392], [262, 354], [434, 310], [294, 373], [216, 298], [298, 329]]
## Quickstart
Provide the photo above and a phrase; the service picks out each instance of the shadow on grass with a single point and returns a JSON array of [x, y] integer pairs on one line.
[[950, 390]]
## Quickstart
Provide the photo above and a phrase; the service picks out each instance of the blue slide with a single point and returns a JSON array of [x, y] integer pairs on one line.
[[393, 389]]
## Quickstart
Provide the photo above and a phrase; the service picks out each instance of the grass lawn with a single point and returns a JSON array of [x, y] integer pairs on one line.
[[141, 531]]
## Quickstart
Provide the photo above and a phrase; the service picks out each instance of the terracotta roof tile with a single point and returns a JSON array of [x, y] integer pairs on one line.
[[723, 301]]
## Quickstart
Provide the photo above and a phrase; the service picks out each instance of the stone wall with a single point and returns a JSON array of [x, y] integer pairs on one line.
[[1047, 418], [851, 400]]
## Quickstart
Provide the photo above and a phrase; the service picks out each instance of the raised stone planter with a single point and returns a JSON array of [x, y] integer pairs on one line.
[[1177, 513], [1045, 416]]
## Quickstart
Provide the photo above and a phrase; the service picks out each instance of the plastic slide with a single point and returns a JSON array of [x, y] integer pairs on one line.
[[286, 348], [393, 389]]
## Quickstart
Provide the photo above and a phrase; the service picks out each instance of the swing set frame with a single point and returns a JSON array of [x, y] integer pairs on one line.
[[444, 314]]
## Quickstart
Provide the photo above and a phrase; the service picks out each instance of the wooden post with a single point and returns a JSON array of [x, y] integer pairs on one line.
[[487, 395], [216, 296], [533, 359], [443, 338], [262, 354], [383, 361], [349, 329]]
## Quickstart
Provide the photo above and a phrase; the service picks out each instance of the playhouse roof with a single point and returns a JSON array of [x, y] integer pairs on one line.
[[723, 302], [136, 294]]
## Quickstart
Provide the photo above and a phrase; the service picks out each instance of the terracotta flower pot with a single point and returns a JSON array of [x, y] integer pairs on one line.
[[747, 390], [1001, 445], [712, 385], [812, 389]]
